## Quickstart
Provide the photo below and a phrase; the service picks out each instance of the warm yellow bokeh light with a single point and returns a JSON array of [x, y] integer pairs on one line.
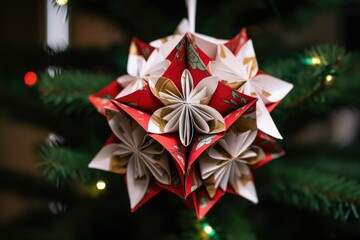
[[101, 185], [315, 60], [329, 78]]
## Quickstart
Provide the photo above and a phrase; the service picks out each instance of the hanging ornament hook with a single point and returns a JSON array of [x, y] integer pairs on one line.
[[191, 7]]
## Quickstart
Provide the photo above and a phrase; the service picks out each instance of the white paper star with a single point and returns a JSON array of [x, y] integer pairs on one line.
[[140, 70], [240, 72]]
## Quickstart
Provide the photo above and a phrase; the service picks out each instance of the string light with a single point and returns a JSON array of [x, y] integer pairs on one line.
[[100, 185], [329, 79], [208, 229], [313, 61], [30, 79], [61, 2]]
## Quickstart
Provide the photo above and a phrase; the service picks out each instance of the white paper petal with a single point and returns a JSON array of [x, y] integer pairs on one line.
[[200, 120], [151, 147], [136, 187], [154, 170], [230, 141], [248, 191], [243, 141], [135, 64], [270, 89], [213, 153], [247, 52], [187, 84], [227, 58], [222, 176], [223, 72], [186, 127], [212, 112], [159, 168], [120, 126], [208, 165], [248, 89], [208, 84], [138, 136], [156, 70], [249, 154], [172, 41], [154, 62], [183, 26], [207, 44], [264, 121], [102, 159], [172, 124], [125, 80], [133, 86], [173, 115]]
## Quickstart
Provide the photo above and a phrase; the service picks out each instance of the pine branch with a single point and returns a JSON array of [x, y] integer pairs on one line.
[[340, 160], [324, 78], [67, 164], [326, 193], [68, 92], [309, 72], [30, 186]]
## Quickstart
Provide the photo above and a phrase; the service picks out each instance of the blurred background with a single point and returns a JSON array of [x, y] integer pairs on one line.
[[96, 38]]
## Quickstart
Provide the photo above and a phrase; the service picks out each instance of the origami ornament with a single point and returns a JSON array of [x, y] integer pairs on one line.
[[191, 117], [136, 155], [241, 72]]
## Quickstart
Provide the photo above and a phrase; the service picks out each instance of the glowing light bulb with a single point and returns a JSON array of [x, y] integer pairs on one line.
[[329, 79], [61, 2], [315, 60], [208, 229], [30, 79], [101, 185]]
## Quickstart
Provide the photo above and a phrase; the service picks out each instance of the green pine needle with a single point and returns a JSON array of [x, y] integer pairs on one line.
[[308, 73], [318, 191], [67, 164], [68, 92]]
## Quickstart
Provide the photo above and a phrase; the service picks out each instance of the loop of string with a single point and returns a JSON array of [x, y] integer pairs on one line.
[[191, 7]]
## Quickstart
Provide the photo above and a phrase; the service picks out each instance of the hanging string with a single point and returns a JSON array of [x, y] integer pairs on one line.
[[191, 7]]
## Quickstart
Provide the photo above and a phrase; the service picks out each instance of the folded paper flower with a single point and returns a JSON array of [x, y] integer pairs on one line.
[[185, 111], [141, 70], [139, 52], [135, 154], [241, 72], [226, 162], [227, 165]]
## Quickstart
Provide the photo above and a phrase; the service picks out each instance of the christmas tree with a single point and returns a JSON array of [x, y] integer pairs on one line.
[[311, 189]]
